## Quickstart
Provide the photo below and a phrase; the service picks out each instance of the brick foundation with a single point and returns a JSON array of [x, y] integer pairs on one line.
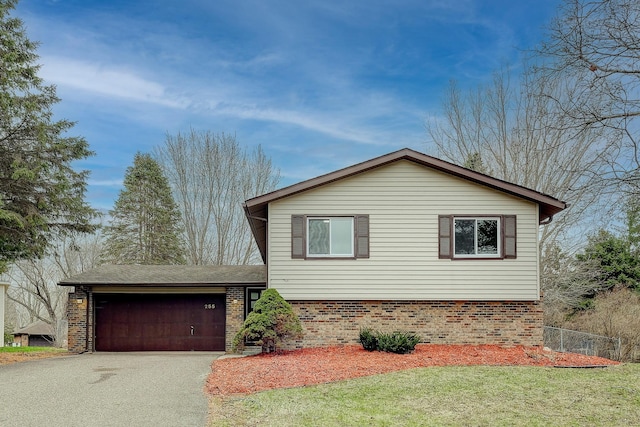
[[439, 322]]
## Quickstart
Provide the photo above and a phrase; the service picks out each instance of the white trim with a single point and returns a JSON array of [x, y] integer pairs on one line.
[[329, 218], [498, 253]]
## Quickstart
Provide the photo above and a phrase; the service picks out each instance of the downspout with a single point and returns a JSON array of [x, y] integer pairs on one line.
[[86, 316]]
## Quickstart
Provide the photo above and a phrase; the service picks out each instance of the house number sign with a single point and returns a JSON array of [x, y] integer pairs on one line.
[[209, 306]]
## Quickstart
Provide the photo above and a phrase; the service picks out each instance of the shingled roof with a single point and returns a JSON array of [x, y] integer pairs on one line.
[[37, 328], [173, 275]]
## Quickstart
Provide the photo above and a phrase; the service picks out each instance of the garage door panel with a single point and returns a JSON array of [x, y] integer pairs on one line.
[[152, 322]]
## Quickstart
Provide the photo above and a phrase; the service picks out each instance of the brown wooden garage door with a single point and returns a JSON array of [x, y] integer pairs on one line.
[[159, 322]]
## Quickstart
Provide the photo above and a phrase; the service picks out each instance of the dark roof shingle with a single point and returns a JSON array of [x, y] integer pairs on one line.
[[170, 275]]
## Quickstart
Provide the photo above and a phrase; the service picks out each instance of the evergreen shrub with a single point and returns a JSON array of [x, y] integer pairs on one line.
[[399, 342]]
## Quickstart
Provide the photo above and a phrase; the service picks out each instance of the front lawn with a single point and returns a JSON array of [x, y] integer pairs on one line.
[[449, 396], [10, 355]]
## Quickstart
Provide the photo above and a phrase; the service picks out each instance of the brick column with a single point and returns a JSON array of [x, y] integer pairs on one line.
[[78, 323], [234, 315]]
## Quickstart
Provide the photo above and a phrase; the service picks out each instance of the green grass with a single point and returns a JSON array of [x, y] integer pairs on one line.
[[449, 396], [7, 349]]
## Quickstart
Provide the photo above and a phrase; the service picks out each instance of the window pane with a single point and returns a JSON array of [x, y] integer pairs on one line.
[[318, 237], [464, 230], [488, 236], [342, 236]]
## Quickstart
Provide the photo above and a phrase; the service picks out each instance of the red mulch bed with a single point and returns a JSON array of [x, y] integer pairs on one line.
[[240, 375]]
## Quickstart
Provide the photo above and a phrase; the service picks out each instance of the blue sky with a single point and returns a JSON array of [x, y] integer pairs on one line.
[[320, 85]]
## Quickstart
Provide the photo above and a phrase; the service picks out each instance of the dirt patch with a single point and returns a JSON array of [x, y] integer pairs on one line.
[[8, 358], [241, 375]]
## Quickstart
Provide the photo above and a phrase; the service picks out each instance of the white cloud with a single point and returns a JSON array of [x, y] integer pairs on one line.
[[106, 81]]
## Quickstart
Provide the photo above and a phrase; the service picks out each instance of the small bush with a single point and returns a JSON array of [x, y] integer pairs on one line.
[[398, 342], [368, 339], [395, 342]]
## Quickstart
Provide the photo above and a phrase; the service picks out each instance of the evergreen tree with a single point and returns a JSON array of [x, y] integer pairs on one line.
[[145, 225], [41, 195], [617, 256], [271, 322]]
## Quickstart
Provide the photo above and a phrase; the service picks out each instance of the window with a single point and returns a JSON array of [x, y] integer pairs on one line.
[[330, 236], [251, 296], [477, 237]]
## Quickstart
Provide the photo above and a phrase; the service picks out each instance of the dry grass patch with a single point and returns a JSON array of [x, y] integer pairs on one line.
[[22, 354]]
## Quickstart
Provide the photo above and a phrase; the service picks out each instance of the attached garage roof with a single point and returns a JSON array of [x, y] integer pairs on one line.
[[174, 275]]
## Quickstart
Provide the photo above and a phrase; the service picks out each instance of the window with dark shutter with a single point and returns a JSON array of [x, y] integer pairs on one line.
[[329, 237], [477, 237]]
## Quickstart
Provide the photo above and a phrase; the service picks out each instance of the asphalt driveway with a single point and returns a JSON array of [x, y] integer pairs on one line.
[[107, 389]]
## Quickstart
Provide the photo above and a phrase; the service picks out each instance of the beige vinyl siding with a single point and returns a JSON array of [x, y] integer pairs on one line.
[[403, 201]]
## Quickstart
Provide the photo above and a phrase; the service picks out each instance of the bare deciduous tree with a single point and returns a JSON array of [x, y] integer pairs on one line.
[[566, 282], [521, 137], [595, 47], [34, 289], [211, 175]]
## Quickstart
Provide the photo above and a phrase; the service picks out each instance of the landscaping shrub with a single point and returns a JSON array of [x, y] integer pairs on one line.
[[271, 322], [396, 342], [368, 339]]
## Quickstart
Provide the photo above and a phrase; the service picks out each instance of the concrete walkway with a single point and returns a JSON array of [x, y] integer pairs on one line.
[[107, 389]]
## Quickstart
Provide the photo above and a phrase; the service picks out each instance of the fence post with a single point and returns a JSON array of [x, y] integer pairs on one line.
[[561, 341], [619, 348]]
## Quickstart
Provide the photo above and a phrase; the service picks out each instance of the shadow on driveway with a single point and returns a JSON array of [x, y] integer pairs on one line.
[[107, 389]]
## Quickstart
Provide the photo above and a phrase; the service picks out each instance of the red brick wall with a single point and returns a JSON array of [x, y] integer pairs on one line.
[[438, 322]]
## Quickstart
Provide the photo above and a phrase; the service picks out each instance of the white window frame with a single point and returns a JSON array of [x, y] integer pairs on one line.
[[499, 237], [330, 255]]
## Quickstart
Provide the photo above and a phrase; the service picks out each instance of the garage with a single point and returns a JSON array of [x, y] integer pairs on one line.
[[160, 307], [159, 322]]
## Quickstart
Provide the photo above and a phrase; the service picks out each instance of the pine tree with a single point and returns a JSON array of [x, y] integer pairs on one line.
[[41, 195], [145, 225], [271, 323]]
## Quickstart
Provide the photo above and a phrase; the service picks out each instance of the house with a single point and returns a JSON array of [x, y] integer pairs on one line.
[[403, 241], [37, 334]]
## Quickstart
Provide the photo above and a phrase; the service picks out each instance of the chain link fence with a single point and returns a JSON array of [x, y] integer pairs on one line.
[[566, 340]]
